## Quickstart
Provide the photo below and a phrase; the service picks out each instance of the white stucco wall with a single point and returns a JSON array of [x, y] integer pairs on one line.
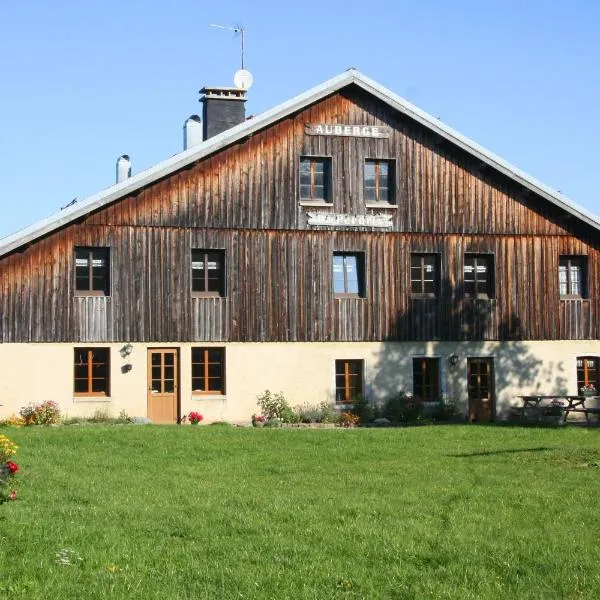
[[304, 372]]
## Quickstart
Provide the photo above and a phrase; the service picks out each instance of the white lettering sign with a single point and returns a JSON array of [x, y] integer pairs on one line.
[[370, 131], [340, 220]]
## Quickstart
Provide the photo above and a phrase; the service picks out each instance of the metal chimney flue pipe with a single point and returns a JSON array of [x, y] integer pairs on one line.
[[123, 168], [192, 132]]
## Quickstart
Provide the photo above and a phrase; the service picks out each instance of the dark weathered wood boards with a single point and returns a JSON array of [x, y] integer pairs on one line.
[[279, 268]]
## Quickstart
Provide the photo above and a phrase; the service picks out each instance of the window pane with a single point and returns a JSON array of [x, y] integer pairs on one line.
[[575, 280], [214, 355], [81, 386], [99, 385], [338, 274], [351, 275]]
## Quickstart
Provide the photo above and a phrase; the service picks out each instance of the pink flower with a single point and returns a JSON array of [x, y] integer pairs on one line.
[[12, 495]]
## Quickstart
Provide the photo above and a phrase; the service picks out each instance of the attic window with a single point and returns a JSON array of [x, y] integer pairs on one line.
[[315, 179], [92, 272]]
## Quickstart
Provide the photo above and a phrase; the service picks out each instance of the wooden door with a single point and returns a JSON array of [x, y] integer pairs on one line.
[[163, 385], [480, 374]]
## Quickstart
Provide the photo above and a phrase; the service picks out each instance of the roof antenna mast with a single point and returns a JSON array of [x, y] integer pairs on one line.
[[243, 79]]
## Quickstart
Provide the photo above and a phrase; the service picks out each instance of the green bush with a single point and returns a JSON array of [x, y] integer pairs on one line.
[[403, 408], [275, 406], [328, 414], [324, 412], [447, 410], [364, 410]]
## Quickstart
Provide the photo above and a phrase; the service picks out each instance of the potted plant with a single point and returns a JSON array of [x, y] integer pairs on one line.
[[194, 418], [588, 390]]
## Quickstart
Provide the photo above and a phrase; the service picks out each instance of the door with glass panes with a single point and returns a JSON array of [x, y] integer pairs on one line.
[[480, 374], [163, 385]]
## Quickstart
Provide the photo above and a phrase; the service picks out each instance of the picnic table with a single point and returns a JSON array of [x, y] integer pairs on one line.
[[538, 404]]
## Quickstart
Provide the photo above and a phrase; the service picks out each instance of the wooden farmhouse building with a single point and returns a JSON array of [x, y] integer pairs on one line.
[[342, 243]]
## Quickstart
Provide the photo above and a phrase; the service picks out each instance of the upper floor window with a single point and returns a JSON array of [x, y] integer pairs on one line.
[[587, 372], [378, 181], [426, 378], [208, 272], [424, 275], [208, 370], [572, 274], [92, 372], [348, 274], [348, 380], [92, 272], [478, 275], [315, 179]]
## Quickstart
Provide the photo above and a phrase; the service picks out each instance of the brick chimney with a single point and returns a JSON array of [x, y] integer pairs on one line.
[[222, 109]]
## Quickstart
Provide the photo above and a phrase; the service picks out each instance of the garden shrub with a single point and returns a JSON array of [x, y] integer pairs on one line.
[[328, 413], [275, 406], [12, 421], [447, 410], [46, 413], [364, 410], [403, 408]]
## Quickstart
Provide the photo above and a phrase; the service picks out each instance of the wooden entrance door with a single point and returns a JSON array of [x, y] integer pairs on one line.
[[480, 374], [163, 385]]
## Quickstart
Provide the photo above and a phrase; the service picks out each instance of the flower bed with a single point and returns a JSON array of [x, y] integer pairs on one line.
[[8, 469]]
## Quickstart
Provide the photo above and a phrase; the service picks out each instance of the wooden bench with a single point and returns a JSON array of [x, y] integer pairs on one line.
[[586, 411]]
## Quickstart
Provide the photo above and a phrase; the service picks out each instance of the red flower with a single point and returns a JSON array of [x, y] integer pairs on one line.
[[13, 467], [195, 417]]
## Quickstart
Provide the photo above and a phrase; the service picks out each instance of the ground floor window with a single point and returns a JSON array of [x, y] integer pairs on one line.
[[587, 372], [426, 378], [208, 370], [92, 372], [348, 380]]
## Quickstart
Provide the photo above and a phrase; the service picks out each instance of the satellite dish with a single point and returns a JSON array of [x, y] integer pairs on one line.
[[243, 79]]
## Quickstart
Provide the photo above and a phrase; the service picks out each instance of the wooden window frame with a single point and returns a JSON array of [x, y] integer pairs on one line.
[[490, 279], [360, 270], [436, 275], [221, 292], [429, 368], [345, 364], [391, 164], [204, 365], [586, 372], [581, 262], [93, 253], [327, 179], [90, 368]]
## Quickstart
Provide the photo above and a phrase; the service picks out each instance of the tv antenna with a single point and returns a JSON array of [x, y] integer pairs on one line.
[[236, 30], [242, 79]]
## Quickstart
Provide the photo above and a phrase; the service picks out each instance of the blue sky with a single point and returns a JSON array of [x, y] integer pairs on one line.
[[84, 82]]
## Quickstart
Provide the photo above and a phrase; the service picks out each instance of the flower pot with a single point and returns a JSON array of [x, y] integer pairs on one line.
[[258, 423], [194, 422], [589, 393]]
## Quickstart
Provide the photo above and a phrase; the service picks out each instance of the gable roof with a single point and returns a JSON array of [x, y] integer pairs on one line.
[[218, 142]]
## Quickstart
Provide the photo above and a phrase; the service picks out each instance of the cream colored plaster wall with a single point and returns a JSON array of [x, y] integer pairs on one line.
[[304, 372]]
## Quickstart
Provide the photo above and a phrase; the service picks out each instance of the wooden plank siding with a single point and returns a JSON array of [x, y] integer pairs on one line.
[[245, 201], [279, 288]]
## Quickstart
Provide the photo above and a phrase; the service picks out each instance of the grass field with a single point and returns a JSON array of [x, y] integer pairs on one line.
[[214, 512]]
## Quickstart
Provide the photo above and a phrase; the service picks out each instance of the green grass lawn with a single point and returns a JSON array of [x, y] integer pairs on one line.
[[212, 512]]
